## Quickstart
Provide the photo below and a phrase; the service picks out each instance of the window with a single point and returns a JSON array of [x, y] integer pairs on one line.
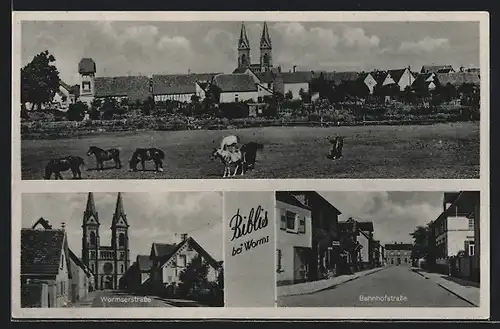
[[182, 261], [92, 239], [86, 86], [121, 240], [122, 268], [122, 255], [169, 279], [92, 255], [93, 268], [282, 219], [278, 261], [471, 249], [290, 220], [236, 99], [471, 223], [62, 261], [302, 224]]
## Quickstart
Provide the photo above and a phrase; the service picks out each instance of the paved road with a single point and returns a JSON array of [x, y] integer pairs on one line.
[[394, 286], [121, 299]]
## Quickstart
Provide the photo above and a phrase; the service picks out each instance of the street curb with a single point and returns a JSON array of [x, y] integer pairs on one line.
[[447, 289], [332, 286], [457, 295]]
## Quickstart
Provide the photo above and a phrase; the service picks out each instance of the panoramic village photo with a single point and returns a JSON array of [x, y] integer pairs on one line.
[[378, 249], [83, 250], [251, 99]]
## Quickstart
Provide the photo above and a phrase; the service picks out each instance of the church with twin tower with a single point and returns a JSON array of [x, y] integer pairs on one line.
[[107, 263], [266, 51]]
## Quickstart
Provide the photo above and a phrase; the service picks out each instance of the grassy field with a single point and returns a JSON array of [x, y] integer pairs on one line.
[[430, 151]]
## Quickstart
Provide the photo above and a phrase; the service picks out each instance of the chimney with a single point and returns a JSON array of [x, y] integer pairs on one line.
[[294, 68], [279, 69], [63, 226], [184, 237]]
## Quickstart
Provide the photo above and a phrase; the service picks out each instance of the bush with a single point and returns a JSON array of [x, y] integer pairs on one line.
[[76, 111], [234, 110]]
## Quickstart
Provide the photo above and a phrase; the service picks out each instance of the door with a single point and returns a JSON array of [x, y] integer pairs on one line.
[[399, 261], [299, 264]]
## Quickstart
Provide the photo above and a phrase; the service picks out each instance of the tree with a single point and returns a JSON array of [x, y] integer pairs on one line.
[[76, 111], [148, 106], [39, 80], [194, 277], [289, 95], [420, 242]]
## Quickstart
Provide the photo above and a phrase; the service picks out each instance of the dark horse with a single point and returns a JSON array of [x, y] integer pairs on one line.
[[142, 155], [250, 153], [55, 166], [336, 150], [105, 155]]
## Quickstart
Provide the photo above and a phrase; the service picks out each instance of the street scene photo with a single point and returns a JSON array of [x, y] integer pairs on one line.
[[102, 99], [121, 250], [378, 249]]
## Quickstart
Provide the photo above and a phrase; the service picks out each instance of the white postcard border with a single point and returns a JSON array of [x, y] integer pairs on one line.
[[481, 184]]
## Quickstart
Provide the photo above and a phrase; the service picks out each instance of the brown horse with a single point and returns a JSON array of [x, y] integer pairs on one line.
[[147, 154], [105, 155], [55, 166]]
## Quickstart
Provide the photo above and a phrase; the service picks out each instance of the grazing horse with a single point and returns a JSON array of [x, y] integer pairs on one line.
[[105, 155], [55, 166], [147, 154], [229, 159], [337, 145], [249, 151], [229, 142]]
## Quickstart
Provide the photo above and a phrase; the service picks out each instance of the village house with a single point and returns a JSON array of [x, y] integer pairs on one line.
[[82, 279], [65, 96], [325, 235], [45, 268], [437, 69], [169, 260], [398, 254], [236, 88], [365, 239], [294, 238], [402, 77], [425, 81], [137, 277], [133, 88], [295, 83], [454, 232], [181, 87]]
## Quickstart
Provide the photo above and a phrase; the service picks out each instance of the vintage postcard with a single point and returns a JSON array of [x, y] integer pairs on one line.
[[250, 165], [105, 98]]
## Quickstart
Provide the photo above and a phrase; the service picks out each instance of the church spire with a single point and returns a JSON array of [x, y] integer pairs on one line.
[[90, 211], [119, 217], [265, 39], [243, 43]]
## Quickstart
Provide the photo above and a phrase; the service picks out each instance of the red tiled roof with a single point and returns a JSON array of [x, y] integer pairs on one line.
[[41, 251], [132, 87], [163, 249], [235, 82], [169, 84], [434, 68], [289, 198], [397, 74]]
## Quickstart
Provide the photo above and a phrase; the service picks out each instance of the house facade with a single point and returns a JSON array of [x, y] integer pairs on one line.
[[398, 254], [82, 279], [325, 235], [181, 87], [456, 232], [137, 277], [233, 88], [294, 238], [45, 268], [169, 260]]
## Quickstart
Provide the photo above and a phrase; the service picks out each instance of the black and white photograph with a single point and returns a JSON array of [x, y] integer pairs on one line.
[[84, 250], [110, 99], [378, 249]]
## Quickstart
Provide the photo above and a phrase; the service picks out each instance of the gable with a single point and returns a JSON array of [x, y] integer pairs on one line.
[[91, 220], [190, 242]]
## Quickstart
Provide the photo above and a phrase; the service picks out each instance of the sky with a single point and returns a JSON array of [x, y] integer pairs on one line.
[[394, 214], [146, 48], [153, 217]]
